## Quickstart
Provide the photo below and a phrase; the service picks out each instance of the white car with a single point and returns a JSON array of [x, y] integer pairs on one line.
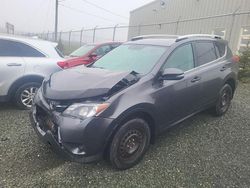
[[24, 63]]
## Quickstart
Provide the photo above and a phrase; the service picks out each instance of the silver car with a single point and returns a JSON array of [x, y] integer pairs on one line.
[[24, 63]]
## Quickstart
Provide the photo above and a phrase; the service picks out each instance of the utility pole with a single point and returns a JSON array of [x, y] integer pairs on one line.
[[56, 20]]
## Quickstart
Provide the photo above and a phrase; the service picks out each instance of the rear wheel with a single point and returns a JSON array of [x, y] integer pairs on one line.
[[224, 101], [129, 144], [25, 94]]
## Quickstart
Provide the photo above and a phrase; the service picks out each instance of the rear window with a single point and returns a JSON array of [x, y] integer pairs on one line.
[[205, 52], [10, 48], [220, 49]]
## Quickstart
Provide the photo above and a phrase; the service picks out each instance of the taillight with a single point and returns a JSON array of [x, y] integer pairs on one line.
[[236, 58], [63, 64]]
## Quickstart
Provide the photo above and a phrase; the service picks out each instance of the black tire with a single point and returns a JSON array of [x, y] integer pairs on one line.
[[18, 95], [224, 100], [129, 144]]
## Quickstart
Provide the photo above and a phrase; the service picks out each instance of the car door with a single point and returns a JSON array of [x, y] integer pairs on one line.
[[209, 64], [12, 65], [176, 99]]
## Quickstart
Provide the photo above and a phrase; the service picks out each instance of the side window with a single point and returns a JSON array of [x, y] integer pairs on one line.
[[16, 49], [182, 58], [220, 49], [205, 52], [102, 50]]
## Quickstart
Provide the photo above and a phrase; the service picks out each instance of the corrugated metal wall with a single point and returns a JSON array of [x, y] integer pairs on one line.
[[155, 19]]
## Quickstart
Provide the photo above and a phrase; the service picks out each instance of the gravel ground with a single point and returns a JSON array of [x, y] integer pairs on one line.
[[203, 151]]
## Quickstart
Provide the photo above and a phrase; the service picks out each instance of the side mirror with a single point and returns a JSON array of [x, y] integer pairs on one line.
[[93, 55], [172, 74]]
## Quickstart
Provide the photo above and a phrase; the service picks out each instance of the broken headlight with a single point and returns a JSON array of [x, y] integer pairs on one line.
[[83, 111]]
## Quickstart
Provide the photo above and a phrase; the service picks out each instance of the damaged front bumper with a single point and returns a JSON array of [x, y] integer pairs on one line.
[[77, 140]]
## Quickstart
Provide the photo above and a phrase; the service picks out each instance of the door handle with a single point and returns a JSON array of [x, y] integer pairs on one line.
[[223, 68], [14, 64], [196, 79]]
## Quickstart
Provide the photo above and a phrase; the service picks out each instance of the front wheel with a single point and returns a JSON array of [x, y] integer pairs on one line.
[[129, 144], [25, 94], [224, 100]]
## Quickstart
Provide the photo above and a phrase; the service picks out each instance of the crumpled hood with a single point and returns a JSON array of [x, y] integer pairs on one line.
[[82, 83]]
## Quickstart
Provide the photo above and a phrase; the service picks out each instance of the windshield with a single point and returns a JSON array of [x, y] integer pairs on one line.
[[131, 57], [82, 51]]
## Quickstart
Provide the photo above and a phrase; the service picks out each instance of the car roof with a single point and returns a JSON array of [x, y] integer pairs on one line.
[[46, 47]]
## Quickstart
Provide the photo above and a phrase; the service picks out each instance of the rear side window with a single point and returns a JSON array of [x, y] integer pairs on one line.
[[220, 49], [205, 52], [16, 49]]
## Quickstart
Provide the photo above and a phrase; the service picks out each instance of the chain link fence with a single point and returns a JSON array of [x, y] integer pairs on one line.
[[71, 40]]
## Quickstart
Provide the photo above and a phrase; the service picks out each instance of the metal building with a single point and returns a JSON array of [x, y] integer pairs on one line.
[[227, 18]]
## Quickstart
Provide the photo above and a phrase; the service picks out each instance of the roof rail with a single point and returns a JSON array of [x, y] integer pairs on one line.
[[154, 37], [198, 36]]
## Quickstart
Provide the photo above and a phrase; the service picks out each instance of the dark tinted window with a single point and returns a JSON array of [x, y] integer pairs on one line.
[[220, 48], [17, 49], [182, 58], [205, 52]]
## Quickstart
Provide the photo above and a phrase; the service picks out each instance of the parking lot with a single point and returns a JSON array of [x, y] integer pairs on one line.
[[203, 151]]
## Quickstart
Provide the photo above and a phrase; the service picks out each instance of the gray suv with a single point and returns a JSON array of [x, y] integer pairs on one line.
[[118, 105], [24, 62]]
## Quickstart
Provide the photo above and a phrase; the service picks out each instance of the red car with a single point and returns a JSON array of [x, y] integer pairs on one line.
[[88, 54]]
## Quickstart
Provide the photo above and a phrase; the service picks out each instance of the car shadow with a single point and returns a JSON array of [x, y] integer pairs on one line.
[[7, 106]]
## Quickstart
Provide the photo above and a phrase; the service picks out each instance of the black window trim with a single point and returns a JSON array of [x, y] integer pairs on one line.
[[24, 43]]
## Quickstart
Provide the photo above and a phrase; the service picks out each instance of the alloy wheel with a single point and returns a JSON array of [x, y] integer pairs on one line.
[[27, 96]]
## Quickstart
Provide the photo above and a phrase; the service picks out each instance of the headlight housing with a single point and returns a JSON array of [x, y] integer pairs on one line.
[[84, 111]]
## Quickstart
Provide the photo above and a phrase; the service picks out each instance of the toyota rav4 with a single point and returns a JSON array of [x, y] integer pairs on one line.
[[117, 106]]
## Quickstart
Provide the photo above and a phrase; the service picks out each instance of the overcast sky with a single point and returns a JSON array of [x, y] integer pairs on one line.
[[38, 15]]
